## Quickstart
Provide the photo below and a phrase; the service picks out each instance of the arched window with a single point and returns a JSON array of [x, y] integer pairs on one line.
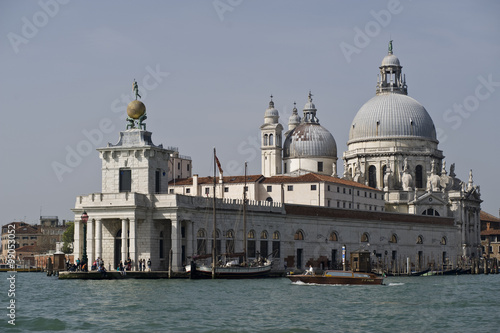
[[372, 176], [420, 239], [431, 212], [365, 238], [443, 241], [264, 248], [251, 251], [419, 181], [394, 239], [269, 199], [276, 245], [201, 242], [265, 140], [333, 237], [271, 141], [299, 235], [263, 235]]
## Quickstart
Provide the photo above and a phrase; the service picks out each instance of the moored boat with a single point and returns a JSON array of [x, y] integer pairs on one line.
[[338, 277]]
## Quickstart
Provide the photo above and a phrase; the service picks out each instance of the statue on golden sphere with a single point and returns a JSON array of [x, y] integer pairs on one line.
[[136, 110]]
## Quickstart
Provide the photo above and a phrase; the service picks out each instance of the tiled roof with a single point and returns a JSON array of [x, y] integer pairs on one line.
[[490, 232], [366, 215], [313, 177], [307, 178], [210, 180], [488, 217]]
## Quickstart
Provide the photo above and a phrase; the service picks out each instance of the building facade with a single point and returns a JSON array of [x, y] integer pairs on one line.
[[395, 198]]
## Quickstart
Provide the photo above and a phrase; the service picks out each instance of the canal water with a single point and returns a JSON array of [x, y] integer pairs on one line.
[[405, 304]]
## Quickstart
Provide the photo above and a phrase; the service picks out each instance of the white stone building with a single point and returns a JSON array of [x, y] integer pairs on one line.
[[395, 198]]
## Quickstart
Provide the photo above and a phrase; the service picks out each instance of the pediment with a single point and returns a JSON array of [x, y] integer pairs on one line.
[[430, 199]]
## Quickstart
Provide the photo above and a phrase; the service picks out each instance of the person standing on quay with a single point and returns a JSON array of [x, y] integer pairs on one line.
[[149, 264]]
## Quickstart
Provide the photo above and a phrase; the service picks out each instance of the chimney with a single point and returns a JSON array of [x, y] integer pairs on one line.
[[195, 185]]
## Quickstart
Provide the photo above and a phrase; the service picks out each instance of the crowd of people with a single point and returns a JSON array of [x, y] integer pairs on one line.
[[98, 265]]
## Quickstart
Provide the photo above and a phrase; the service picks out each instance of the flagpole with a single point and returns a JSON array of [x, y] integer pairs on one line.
[[214, 246]]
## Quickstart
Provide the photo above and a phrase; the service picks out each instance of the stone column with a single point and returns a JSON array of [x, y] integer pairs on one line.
[[98, 238], [90, 243], [189, 239], [133, 244], [176, 245], [124, 240], [78, 243]]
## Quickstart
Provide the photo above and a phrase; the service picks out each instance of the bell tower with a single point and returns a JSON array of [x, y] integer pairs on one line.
[[271, 146]]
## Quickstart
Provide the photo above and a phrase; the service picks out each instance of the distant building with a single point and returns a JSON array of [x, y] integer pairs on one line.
[[33, 238], [490, 235]]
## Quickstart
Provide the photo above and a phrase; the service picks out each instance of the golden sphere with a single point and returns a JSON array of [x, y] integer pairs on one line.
[[135, 109]]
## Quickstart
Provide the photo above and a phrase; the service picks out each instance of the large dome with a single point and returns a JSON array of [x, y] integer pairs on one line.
[[309, 140], [391, 115]]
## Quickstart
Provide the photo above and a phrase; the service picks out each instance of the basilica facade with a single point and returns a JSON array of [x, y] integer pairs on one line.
[[395, 197]]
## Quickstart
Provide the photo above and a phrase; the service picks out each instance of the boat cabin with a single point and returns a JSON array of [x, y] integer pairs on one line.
[[360, 261]]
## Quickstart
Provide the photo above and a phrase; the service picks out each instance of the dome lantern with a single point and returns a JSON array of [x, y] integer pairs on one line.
[[391, 78]]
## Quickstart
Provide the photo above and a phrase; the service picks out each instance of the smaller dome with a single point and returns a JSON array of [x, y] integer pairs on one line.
[[390, 60], [309, 140], [136, 109], [294, 118], [271, 111], [310, 106]]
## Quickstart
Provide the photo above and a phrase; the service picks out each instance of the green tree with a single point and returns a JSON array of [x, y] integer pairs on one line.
[[68, 237]]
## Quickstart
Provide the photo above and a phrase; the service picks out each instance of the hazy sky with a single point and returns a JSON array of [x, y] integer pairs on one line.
[[206, 70]]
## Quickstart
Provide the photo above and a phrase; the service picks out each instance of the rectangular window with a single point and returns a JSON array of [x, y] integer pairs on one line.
[[329, 203], [188, 190], [251, 248], [207, 190], [375, 208], [338, 204], [183, 232], [343, 190], [226, 189], [313, 187], [358, 206], [269, 188], [328, 188], [350, 191], [365, 194], [290, 187], [370, 194], [230, 245], [349, 205], [188, 167], [284, 168], [375, 195], [125, 180], [201, 246], [171, 191], [358, 193], [343, 205], [263, 248], [157, 181], [178, 165], [320, 166], [276, 249], [338, 189]]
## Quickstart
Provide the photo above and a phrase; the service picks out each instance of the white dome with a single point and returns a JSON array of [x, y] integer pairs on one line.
[[309, 140], [390, 60], [391, 115]]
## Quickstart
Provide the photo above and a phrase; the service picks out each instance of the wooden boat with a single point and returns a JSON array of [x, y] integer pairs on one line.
[[229, 269], [338, 277]]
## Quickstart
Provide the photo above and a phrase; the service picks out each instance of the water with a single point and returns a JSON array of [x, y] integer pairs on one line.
[[406, 304]]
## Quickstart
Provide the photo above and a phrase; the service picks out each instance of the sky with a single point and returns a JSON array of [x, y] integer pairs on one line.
[[205, 71]]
